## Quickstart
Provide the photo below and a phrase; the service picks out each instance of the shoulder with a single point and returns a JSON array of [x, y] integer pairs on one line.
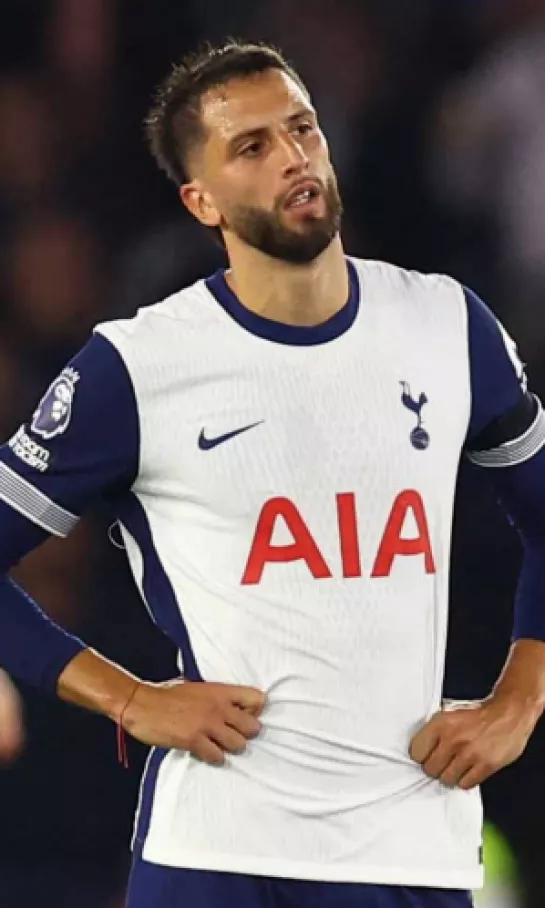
[[404, 284], [175, 316]]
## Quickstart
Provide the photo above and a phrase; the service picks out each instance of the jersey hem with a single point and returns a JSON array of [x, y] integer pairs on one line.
[[306, 870]]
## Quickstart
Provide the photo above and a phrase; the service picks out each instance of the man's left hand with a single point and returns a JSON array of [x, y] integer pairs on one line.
[[464, 746]]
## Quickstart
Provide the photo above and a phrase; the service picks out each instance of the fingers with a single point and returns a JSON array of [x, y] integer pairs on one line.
[[230, 735], [439, 760], [441, 755], [228, 739], [207, 751], [247, 698], [475, 776], [425, 741], [458, 767], [212, 746], [452, 748], [465, 771], [243, 721], [450, 767]]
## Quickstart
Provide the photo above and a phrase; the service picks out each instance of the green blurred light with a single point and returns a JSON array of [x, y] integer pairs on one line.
[[499, 862]]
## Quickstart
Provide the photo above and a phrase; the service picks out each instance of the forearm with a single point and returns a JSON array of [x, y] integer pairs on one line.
[[37, 651], [521, 489], [521, 684], [33, 648], [93, 682]]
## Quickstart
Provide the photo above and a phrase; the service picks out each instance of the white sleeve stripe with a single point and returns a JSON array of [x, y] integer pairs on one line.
[[518, 449], [32, 503], [512, 352]]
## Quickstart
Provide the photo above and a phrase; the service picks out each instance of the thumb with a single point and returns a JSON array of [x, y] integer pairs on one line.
[[249, 698], [425, 740]]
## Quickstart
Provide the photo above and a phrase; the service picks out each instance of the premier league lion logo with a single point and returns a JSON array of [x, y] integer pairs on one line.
[[54, 411]]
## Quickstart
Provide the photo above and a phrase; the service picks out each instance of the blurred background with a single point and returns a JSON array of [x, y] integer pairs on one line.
[[435, 112]]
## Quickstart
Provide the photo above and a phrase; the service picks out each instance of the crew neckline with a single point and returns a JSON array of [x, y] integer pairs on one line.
[[279, 332]]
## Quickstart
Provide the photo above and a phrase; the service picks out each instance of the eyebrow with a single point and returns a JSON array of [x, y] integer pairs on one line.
[[259, 130]]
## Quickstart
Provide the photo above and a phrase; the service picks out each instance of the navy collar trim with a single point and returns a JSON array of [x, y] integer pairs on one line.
[[280, 333]]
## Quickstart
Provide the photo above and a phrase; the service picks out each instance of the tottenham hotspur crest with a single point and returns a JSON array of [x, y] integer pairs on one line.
[[54, 411], [420, 439]]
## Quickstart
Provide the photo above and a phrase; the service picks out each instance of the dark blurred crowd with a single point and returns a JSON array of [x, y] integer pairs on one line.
[[435, 113]]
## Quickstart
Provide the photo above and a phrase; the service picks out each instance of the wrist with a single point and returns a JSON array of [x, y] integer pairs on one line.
[[95, 683], [122, 715], [524, 699], [521, 686], [521, 705]]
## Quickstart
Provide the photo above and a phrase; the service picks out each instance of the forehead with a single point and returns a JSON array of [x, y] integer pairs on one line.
[[251, 102]]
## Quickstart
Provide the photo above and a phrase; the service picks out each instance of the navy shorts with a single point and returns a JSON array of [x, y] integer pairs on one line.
[[153, 886]]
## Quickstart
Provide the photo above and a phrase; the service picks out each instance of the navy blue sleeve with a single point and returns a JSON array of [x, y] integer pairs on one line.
[[498, 382], [507, 437], [81, 443], [521, 490], [32, 647]]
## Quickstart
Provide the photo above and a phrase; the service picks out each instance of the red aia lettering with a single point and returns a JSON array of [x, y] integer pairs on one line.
[[305, 548], [348, 534], [392, 544], [262, 551]]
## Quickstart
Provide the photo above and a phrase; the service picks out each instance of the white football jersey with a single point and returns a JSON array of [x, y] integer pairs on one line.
[[285, 495], [308, 556]]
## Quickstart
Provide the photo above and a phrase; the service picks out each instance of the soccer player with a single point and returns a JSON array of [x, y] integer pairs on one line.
[[280, 443]]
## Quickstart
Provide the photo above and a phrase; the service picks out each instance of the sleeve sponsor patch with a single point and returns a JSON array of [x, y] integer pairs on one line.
[[29, 451]]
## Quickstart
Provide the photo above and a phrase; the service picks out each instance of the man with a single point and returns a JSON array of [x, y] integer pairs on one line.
[[280, 443]]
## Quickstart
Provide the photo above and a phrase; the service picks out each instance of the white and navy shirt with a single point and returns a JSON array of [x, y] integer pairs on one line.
[[285, 495]]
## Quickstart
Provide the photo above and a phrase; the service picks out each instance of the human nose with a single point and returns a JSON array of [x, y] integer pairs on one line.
[[294, 157]]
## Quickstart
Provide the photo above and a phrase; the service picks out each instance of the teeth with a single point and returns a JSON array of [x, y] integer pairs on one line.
[[301, 198]]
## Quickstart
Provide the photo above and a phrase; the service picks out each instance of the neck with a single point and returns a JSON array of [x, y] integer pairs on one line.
[[303, 295]]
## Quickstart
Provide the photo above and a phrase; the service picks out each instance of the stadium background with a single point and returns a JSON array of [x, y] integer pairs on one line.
[[435, 112]]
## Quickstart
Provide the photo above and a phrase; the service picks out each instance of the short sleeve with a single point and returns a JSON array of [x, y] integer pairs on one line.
[[507, 423], [81, 442]]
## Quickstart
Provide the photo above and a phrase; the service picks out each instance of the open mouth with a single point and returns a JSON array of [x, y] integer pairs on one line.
[[303, 196]]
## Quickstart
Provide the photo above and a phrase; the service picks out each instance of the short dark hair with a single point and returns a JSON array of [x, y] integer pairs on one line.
[[174, 125]]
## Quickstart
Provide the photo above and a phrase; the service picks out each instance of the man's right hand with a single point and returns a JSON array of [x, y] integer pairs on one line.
[[204, 718]]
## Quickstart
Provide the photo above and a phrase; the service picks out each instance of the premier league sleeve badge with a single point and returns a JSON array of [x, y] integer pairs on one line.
[[53, 414]]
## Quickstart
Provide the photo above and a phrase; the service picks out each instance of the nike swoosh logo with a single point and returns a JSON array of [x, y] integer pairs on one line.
[[205, 444]]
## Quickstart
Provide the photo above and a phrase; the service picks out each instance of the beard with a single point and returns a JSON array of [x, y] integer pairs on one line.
[[264, 230]]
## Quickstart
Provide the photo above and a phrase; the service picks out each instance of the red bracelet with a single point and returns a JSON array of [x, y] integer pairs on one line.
[[122, 753]]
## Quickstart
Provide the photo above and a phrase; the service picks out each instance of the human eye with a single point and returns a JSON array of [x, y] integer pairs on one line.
[[303, 127], [251, 149]]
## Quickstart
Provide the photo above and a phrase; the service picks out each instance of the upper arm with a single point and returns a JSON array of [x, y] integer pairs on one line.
[[81, 443], [507, 424]]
